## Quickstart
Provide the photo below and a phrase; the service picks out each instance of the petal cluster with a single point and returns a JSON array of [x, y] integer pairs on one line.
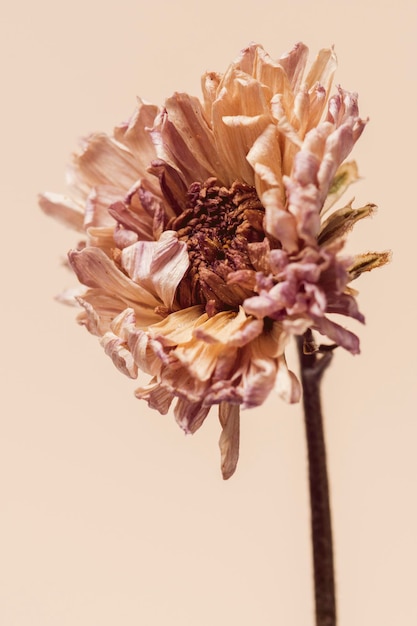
[[208, 240]]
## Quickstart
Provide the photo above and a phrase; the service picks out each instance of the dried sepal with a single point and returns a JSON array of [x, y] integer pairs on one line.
[[367, 262], [341, 222], [229, 438]]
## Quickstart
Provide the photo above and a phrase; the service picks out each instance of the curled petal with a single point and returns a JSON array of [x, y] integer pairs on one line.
[[337, 333], [157, 396], [258, 377], [157, 266], [279, 223], [265, 158], [190, 415], [287, 384], [94, 269]]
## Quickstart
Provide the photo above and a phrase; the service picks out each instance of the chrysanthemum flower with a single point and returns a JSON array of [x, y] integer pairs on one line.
[[205, 244]]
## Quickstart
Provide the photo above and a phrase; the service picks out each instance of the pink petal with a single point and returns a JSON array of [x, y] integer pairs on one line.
[[337, 333]]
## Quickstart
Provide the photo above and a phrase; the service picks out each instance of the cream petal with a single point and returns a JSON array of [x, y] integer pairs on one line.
[[301, 112], [245, 61], [97, 206], [318, 99], [323, 69], [115, 344], [94, 269], [240, 94], [229, 438], [235, 135], [188, 139], [190, 415], [279, 222], [287, 384], [229, 328], [177, 327], [158, 266], [100, 308], [135, 134], [294, 63], [123, 324], [146, 351], [265, 158], [119, 354], [210, 82], [259, 379], [104, 161], [240, 114], [199, 358], [103, 238], [62, 209], [272, 74], [177, 378], [157, 396], [91, 320]]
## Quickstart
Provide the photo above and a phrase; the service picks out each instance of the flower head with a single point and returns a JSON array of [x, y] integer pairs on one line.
[[205, 243]]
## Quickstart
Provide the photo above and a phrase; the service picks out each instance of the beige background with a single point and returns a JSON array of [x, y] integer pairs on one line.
[[109, 515]]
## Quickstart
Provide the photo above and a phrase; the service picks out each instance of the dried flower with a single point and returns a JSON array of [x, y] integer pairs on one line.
[[205, 244]]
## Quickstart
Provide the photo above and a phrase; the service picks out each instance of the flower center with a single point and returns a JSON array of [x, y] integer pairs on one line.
[[217, 226]]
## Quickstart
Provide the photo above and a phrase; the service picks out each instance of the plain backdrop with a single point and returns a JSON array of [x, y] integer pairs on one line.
[[109, 515]]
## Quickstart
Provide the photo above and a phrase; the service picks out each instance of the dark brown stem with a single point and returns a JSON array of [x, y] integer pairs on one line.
[[313, 365]]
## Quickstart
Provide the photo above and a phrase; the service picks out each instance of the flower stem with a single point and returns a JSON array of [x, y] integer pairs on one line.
[[312, 368]]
